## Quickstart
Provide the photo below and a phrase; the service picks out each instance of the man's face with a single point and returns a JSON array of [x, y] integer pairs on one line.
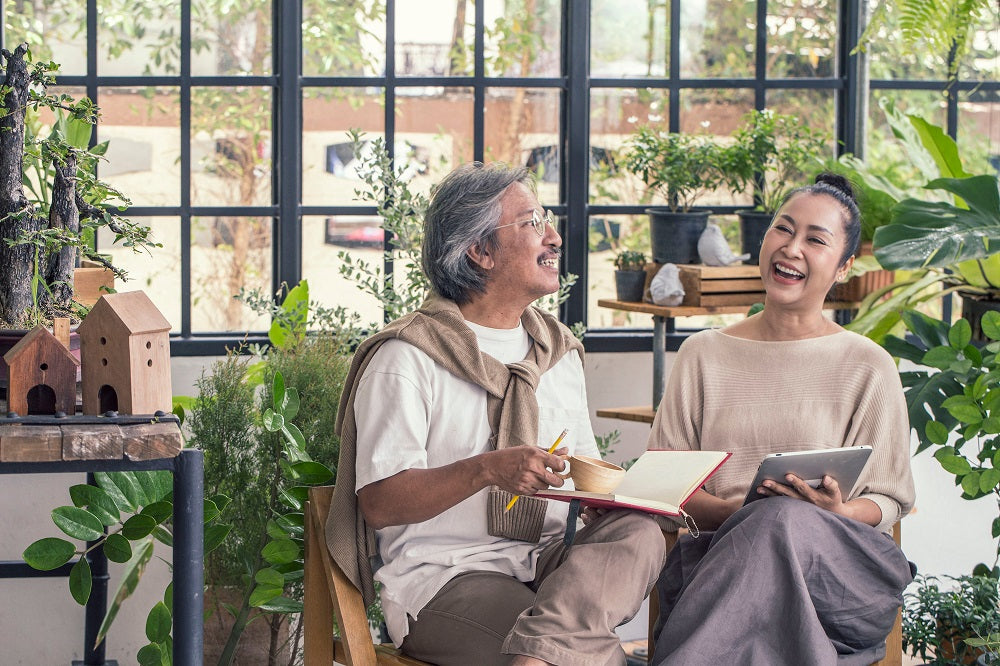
[[524, 266]]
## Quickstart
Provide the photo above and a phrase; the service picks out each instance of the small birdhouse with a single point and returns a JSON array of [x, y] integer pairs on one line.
[[42, 375], [125, 356]]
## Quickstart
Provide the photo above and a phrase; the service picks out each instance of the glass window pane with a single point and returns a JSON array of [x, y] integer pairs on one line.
[[228, 254], [231, 146], [979, 132], [522, 128], [142, 128], [435, 38], [523, 40], [325, 242], [717, 39], [52, 31], [138, 40], [433, 133], [802, 39], [629, 38], [231, 39], [716, 113], [614, 115], [983, 60], [156, 271], [887, 155], [328, 162], [344, 38], [608, 235]]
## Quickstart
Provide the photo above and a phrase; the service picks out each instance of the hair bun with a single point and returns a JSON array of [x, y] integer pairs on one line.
[[837, 181]]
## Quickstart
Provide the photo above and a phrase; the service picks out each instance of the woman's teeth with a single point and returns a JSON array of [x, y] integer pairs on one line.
[[789, 272]]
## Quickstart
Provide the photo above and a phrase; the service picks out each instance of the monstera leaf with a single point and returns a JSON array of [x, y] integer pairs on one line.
[[938, 234]]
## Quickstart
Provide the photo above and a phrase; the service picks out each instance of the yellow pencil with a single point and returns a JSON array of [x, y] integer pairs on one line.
[[552, 448]]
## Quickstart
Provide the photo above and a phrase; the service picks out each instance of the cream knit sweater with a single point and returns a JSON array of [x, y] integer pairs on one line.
[[753, 398]]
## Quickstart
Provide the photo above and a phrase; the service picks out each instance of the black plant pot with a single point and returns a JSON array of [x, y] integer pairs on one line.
[[988, 659], [973, 309], [674, 236], [753, 226], [630, 285]]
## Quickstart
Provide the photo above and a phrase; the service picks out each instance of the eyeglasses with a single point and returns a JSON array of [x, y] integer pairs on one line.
[[537, 221]]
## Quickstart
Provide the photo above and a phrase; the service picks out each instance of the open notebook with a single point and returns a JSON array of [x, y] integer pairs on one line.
[[659, 482]]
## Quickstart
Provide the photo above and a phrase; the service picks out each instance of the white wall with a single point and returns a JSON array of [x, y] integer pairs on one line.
[[40, 624]]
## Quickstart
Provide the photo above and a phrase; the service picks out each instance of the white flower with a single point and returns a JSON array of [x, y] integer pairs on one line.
[[633, 119], [706, 123], [654, 118]]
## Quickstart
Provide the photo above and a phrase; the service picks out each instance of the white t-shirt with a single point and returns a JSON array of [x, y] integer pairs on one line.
[[411, 413]]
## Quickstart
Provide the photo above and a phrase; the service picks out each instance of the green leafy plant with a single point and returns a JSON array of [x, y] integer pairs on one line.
[[124, 515], [944, 617], [772, 152], [630, 260], [953, 401], [51, 204], [678, 167]]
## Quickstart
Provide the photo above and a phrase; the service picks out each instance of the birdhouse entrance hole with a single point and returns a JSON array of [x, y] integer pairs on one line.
[[41, 400], [108, 398]]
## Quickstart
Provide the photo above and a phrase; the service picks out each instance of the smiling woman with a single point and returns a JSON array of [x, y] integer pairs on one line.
[[745, 389]]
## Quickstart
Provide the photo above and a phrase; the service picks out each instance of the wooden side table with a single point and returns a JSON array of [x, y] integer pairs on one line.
[[75, 444]]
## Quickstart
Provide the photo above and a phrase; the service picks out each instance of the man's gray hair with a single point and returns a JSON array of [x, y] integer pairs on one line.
[[465, 210]]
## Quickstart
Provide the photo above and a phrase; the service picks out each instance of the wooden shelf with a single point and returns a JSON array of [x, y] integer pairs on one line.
[[639, 414]]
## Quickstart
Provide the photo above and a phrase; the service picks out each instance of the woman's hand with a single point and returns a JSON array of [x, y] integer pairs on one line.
[[826, 496]]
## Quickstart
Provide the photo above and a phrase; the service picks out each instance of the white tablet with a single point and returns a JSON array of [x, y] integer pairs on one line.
[[844, 464]]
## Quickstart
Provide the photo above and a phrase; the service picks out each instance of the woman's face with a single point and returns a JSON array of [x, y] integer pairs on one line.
[[801, 251]]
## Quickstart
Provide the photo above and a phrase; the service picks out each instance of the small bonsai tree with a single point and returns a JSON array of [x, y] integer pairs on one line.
[[47, 227]]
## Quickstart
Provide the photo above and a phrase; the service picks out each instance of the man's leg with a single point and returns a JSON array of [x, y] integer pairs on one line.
[[467, 620], [587, 590]]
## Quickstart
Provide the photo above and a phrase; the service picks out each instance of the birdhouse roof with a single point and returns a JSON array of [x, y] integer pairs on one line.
[[38, 336], [132, 309]]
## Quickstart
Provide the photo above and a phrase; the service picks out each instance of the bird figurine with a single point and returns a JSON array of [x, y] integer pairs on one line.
[[665, 288], [714, 250]]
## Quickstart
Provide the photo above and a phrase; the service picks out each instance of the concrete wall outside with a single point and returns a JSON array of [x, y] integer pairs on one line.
[[40, 624]]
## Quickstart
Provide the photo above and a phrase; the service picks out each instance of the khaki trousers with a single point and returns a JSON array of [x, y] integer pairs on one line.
[[567, 615]]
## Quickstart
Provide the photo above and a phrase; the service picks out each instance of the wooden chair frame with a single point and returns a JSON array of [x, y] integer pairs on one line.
[[893, 656], [329, 594]]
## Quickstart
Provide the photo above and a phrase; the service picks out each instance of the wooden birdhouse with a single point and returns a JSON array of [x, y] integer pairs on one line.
[[125, 356], [42, 375]]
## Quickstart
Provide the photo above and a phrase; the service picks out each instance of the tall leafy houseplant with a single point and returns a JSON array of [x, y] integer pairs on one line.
[[945, 244], [51, 204], [953, 400], [678, 168]]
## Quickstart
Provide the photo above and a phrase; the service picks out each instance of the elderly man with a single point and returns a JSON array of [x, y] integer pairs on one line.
[[446, 416]]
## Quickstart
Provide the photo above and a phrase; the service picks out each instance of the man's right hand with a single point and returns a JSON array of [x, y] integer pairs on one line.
[[524, 470]]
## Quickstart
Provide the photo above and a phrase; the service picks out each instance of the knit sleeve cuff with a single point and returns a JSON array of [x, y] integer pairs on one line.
[[890, 511]]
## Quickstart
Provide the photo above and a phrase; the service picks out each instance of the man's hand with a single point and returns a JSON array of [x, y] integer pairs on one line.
[[524, 470]]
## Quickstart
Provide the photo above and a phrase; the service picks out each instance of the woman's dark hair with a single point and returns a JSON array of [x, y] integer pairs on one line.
[[465, 210], [840, 190]]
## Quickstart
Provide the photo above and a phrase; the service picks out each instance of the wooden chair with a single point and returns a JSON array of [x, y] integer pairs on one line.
[[893, 642], [329, 594]]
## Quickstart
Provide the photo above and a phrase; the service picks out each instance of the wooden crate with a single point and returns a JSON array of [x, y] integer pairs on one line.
[[88, 281], [706, 286]]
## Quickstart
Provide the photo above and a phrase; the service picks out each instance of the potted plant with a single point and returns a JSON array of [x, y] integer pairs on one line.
[[630, 275], [51, 204], [945, 618], [679, 168], [772, 153]]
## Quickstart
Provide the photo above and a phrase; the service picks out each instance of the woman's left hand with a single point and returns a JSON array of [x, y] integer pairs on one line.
[[826, 496]]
